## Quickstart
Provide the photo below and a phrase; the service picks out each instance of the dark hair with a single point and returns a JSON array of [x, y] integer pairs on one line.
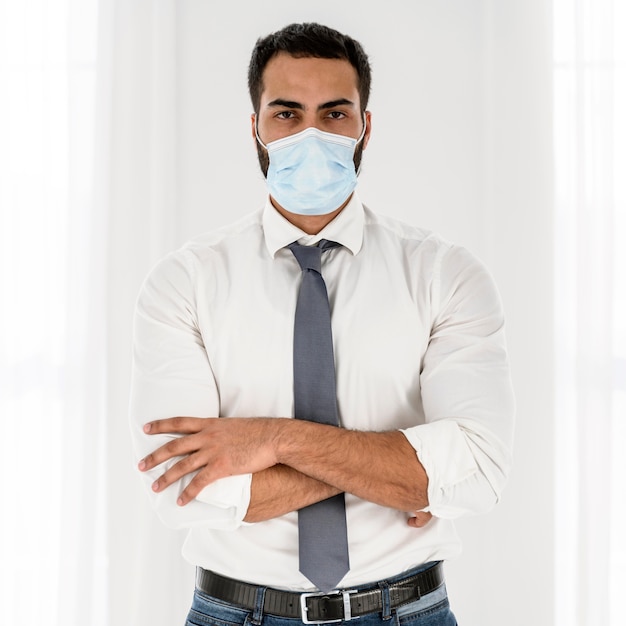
[[308, 40]]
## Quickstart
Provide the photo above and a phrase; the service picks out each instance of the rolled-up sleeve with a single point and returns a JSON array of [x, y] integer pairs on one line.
[[465, 445], [172, 376]]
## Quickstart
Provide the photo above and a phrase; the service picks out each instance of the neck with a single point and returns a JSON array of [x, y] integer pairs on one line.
[[310, 224]]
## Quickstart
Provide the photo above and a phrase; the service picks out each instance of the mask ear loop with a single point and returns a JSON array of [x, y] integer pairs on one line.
[[256, 132], [359, 140]]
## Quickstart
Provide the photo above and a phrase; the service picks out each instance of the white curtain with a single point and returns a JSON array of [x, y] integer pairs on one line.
[[52, 321], [590, 143]]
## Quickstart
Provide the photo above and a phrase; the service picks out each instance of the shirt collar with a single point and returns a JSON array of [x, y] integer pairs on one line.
[[346, 228]]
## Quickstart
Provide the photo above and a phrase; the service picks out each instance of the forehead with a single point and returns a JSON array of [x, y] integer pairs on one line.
[[308, 79]]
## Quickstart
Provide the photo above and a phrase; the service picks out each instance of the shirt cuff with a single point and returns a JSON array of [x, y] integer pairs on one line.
[[231, 494], [447, 466]]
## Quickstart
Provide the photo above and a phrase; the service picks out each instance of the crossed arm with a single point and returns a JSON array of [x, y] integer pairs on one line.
[[294, 463], [464, 443]]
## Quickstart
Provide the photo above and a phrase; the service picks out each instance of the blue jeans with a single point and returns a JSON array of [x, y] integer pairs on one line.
[[430, 610]]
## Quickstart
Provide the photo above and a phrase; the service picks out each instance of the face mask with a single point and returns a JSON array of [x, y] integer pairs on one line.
[[311, 172]]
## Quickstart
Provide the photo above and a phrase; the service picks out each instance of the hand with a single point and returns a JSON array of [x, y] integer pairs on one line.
[[421, 519], [213, 447]]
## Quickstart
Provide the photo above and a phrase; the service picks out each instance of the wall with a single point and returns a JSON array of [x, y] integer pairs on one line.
[[461, 144], [514, 544]]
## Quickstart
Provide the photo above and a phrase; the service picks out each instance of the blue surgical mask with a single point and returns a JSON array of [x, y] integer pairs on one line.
[[311, 172]]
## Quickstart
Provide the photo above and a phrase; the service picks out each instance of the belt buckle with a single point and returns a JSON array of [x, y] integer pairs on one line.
[[347, 609]]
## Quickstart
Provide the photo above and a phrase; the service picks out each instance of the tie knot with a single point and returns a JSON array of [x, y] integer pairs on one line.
[[310, 257]]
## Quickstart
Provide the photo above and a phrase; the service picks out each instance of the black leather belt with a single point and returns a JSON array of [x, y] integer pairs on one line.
[[320, 608]]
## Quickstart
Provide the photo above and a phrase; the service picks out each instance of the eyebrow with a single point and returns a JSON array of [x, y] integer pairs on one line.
[[288, 104]]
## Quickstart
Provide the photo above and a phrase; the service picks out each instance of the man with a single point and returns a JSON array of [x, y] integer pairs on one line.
[[423, 396]]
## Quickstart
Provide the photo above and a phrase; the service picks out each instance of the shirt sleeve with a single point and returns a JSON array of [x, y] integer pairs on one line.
[[465, 445], [172, 376]]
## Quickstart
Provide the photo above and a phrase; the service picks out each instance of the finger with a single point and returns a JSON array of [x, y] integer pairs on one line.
[[420, 519], [186, 465], [181, 446], [202, 479], [177, 425]]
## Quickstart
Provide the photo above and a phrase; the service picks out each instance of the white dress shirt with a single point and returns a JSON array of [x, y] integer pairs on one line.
[[419, 345]]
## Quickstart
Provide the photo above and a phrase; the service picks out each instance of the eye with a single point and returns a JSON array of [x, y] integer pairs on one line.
[[336, 115], [285, 115]]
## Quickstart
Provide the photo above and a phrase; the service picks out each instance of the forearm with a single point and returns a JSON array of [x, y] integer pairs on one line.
[[281, 489], [379, 467], [382, 468]]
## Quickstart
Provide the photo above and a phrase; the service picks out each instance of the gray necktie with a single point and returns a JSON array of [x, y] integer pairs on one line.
[[322, 526]]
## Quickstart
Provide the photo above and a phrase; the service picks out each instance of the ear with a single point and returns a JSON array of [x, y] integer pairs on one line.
[[253, 125], [368, 128]]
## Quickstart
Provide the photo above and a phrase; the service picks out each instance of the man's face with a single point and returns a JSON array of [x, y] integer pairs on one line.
[[300, 93]]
